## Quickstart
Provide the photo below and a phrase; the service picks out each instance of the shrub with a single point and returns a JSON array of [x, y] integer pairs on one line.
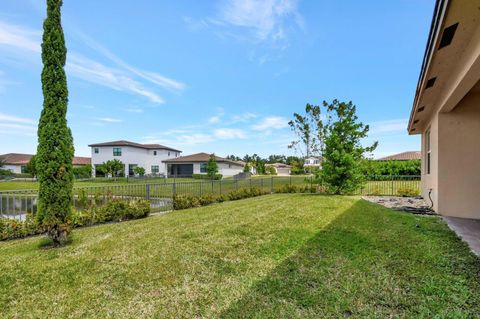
[[207, 199], [11, 228], [187, 201], [286, 188], [115, 210], [84, 171], [408, 192], [205, 176], [118, 210]]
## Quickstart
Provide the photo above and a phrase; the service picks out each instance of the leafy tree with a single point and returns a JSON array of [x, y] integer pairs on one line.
[[343, 153], [139, 170], [270, 170], [233, 158], [277, 159], [55, 143], [296, 167], [84, 171], [389, 168], [246, 168], [114, 168], [31, 167], [308, 128], [212, 167]]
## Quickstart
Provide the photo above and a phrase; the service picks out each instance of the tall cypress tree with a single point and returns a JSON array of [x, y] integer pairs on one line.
[[55, 143]]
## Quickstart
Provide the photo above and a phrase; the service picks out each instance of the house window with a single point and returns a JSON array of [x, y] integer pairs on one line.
[[154, 153], [203, 167], [428, 152], [117, 151], [23, 169], [155, 169], [168, 153], [95, 150]]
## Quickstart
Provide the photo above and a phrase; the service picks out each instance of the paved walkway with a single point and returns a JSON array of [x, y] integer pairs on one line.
[[467, 229]]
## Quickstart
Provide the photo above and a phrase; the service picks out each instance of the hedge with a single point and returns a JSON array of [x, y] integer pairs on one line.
[[205, 176], [114, 211]]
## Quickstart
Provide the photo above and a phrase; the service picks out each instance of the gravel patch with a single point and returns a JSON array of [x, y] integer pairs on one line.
[[415, 205]]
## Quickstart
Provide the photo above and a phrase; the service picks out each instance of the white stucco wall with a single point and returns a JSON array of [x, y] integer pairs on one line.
[[133, 155], [14, 168], [223, 168]]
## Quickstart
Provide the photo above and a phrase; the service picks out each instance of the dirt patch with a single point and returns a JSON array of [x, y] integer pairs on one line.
[[415, 205]]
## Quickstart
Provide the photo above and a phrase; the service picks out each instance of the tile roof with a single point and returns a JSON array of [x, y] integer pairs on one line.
[[23, 159], [133, 144], [200, 157], [405, 156]]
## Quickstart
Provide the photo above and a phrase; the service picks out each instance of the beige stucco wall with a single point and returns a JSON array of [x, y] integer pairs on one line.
[[459, 161], [455, 160], [430, 181]]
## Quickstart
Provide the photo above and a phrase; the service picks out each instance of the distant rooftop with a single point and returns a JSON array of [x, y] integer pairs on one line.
[[405, 156], [133, 144], [23, 159]]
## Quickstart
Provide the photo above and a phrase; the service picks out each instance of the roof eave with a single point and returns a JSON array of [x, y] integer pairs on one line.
[[437, 19]]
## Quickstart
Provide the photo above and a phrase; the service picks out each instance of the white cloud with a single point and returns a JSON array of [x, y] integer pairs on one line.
[[95, 72], [152, 77], [20, 37], [196, 138], [229, 133], [271, 122], [388, 126], [135, 110], [244, 117], [109, 120], [122, 78], [15, 119], [266, 19], [214, 119]]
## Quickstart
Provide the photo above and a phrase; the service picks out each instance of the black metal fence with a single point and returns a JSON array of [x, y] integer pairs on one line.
[[18, 203]]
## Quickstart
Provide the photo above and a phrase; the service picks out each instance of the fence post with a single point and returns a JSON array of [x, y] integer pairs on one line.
[[220, 187], [311, 184], [261, 183], [147, 191], [392, 186], [290, 179], [201, 184], [174, 188], [236, 184]]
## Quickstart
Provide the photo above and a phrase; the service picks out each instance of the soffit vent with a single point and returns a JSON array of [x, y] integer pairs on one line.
[[430, 82], [420, 109], [447, 36]]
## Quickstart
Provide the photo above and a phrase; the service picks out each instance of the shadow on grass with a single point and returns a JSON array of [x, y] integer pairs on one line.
[[370, 262]]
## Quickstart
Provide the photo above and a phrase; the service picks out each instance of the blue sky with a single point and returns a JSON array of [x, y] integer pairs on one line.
[[216, 76]]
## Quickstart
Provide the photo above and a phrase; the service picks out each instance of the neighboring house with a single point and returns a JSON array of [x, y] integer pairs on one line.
[[149, 156], [186, 166], [313, 161], [446, 110], [405, 156], [280, 168], [17, 163]]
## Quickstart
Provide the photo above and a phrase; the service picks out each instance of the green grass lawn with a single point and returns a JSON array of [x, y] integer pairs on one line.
[[17, 185], [276, 256]]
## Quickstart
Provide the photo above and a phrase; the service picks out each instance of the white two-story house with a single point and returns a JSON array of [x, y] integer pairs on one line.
[[148, 156]]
